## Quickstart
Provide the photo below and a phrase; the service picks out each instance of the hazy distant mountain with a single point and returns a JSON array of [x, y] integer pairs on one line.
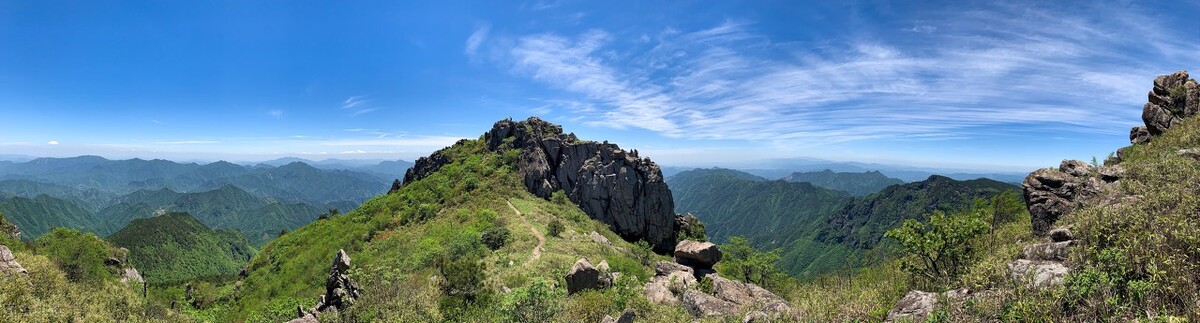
[[857, 184], [176, 247], [386, 170], [780, 168]]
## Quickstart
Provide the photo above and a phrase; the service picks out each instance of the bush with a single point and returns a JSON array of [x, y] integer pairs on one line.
[[495, 238], [559, 197], [80, 255], [555, 228], [534, 303], [743, 262], [940, 249]]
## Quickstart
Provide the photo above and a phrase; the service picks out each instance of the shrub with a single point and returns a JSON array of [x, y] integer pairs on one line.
[[495, 237], [743, 262], [534, 303], [555, 228], [559, 197], [80, 255], [939, 250]]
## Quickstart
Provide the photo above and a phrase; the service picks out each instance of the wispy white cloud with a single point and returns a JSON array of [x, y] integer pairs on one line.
[[1006, 68], [275, 113], [477, 38], [354, 101], [362, 111], [188, 142], [52, 142]]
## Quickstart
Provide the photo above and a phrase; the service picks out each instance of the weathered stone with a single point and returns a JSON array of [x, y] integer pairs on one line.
[[658, 293], [1174, 97], [1061, 234], [731, 291], [1193, 153], [777, 309], [704, 305], [340, 291], [1048, 251], [915, 306], [678, 281], [131, 275], [1139, 135], [396, 185], [1112, 173], [756, 317], [8, 262], [10, 230], [112, 262], [663, 268], [602, 266], [610, 185], [1038, 273], [957, 295], [597, 237], [1051, 194], [583, 275], [697, 254]]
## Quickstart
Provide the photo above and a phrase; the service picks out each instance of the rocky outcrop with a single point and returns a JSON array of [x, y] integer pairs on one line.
[[1052, 193], [611, 185], [1193, 153], [9, 229], [626, 317], [675, 283], [131, 274], [8, 263], [583, 276], [340, 291], [1174, 97], [914, 307], [695, 254], [704, 305], [1038, 273]]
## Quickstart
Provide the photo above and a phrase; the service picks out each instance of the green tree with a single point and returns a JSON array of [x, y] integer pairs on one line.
[[743, 262], [534, 303], [938, 250], [495, 237], [555, 228], [80, 255]]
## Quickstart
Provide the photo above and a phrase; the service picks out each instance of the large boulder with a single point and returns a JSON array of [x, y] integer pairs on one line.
[[583, 275], [8, 262], [1174, 97], [618, 188], [697, 254], [340, 291], [914, 307], [1038, 273], [131, 274], [704, 305], [1056, 251], [1053, 193]]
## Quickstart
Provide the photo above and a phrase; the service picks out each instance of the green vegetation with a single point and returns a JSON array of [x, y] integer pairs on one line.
[[175, 247], [36, 216], [939, 250], [555, 228], [79, 255], [857, 184], [743, 262]]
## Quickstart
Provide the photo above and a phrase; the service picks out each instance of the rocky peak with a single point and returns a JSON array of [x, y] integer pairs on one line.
[[1174, 97], [1053, 193], [609, 184]]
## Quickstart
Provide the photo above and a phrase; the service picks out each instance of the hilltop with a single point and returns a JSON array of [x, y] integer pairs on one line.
[[175, 247]]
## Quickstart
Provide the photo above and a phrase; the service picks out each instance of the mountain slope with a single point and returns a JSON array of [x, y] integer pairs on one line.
[[857, 184], [733, 203], [36, 216], [175, 247]]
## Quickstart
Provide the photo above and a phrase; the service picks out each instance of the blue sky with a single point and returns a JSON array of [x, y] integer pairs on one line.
[[970, 84]]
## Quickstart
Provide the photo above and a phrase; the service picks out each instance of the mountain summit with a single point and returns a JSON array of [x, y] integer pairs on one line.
[[611, 185]]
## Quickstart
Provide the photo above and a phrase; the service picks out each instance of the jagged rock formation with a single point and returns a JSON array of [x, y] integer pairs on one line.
[[611, 185], [10, 230], [340, 291], [1052, 193], [1174, 97], [8, 262]]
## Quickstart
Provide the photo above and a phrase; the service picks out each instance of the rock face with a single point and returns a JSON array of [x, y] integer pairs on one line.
[[915, 306], [8, 263], [583, 276], [703, 305], [674, 283], [697, 254], [131, 275], [609, 184], [1050, 193], [1038, 273], [1174, 97]]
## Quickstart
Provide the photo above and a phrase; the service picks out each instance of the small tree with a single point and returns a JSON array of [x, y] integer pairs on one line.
[[555, 228], [495, 237], [742, 261], [939, 249]]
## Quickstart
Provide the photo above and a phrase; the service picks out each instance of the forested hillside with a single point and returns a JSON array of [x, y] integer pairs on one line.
[[175, 247], [857, 184]]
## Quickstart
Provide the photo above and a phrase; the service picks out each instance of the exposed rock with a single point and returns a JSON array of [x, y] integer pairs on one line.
[[1174, 97], [8, 262], [305, 318], [10, 230], [602, 266], [1050, 194], [957, 295], [626, 317], [678, 281], [1193, 153], [663, 268], [1038, 273], [1112, 173], [610, 185], [1056, 251], [599, 238], [340, 291], [658, 293], [584, 276], [777, 309], [915, 306], [756, 317], [111, 261], [131, 275], [704, 305], [1061, 234], [697, 254], [396, 185], [732, 291], [1139, 135]]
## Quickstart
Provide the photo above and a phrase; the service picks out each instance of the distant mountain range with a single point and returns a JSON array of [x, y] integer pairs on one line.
[[857, 184], [817, 229], [780, 168]]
